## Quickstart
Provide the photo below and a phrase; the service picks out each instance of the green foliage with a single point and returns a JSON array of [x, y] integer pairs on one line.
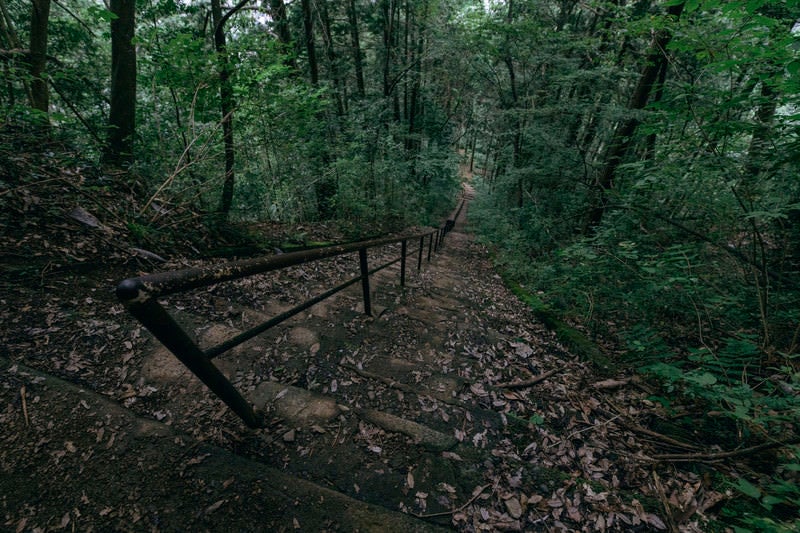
[[692, 268]]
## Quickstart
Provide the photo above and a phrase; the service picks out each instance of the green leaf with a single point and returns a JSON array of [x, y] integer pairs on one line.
[[748, 488], [753, 5], [703, 379], [536, 419], [102, 14]]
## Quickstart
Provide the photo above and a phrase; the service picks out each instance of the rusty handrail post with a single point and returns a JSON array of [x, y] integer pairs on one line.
[[362, 263], [163, 327], [403, 250], [430, 245], [421, 247]]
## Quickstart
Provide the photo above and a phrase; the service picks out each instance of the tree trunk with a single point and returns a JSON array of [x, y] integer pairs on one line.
[[623, 135], [308, 32], [330, 53], [40, 95], [387, 12], [516, 123], [418, 49], [358, 61], [650, 142], [122, 115], [277, 10], [408, 55], [226, 105], [12, 41]]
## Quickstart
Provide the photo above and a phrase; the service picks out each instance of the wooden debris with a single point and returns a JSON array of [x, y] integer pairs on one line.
[[529, 382]]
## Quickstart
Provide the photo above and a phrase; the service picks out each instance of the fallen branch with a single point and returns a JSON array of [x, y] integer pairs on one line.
[[610, 384], [662, 495], [529, 382], [716, 456], [454, 511], [398, 385], [383, 379], [576, 433], [636, 428]]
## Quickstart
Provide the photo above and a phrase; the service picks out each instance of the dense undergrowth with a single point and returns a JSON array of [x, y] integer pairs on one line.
[[687, 316]]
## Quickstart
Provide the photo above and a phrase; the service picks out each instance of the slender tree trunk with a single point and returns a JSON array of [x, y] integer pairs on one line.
[[226, 106], [308, 32], [516, 123], [418, 49], [330, 53], [122, 115], [358, 62], [408, 55], [12, 41], [277, 10], [387, 13], [40, 95], [650, 142], [623, 135]]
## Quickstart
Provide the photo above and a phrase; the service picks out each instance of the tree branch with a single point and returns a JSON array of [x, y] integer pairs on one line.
[[230, 13]]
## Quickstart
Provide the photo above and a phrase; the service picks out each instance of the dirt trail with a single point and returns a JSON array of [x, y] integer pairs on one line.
[[413, 419]]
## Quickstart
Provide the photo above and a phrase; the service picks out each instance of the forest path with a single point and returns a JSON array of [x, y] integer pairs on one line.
[[451, 407]]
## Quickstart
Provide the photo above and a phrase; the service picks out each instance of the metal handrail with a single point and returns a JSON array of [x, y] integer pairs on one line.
[[140, 297]]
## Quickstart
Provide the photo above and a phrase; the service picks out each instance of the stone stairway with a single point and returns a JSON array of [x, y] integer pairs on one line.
[[389, 409], [382, 423]]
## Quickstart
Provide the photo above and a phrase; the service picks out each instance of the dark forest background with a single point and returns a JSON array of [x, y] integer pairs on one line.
[[636, 162]]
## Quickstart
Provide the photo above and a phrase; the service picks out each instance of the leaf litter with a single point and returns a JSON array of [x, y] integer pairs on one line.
[[544, 442]]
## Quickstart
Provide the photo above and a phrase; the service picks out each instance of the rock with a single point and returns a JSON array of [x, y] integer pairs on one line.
[[299, 407]]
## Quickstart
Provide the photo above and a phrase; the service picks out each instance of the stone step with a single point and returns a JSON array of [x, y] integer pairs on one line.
[[136, 473]]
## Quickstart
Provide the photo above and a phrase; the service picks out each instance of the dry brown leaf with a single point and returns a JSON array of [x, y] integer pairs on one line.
[[514, 507], [214, 506]]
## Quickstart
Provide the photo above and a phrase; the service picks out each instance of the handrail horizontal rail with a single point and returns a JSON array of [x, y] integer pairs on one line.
[[140, 296], [164, 283], [277, 319]]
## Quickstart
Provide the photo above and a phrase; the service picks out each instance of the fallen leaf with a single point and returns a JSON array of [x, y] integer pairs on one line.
[[522, 349], [514, 507], [214, 506]]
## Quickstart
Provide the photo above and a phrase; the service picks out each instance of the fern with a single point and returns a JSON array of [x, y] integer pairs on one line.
[[732, 363]]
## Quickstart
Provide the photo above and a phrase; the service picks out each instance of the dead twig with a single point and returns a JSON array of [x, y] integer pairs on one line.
[[636, 428], [529, 382], [576, 433], [610, 384], [662, 495], [716, 456], [454, 511], [383, 379], [22, 393], [397, 385]]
